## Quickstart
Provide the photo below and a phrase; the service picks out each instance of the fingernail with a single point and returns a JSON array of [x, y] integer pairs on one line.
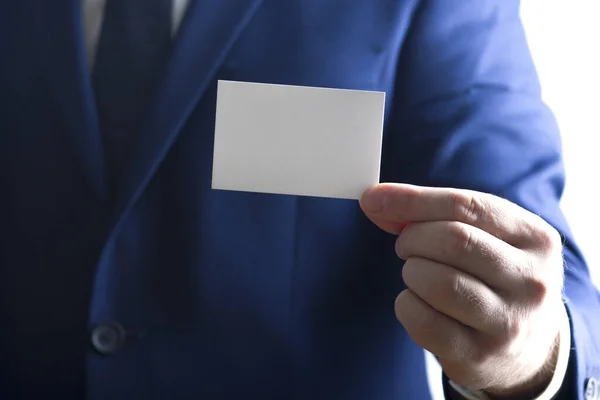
[[373, 200]]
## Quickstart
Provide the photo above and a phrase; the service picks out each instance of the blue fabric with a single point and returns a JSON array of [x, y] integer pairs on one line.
[[131, 55], [240, 294]]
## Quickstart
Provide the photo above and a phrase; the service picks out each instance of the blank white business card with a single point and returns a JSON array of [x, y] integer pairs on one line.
[[297, 140]]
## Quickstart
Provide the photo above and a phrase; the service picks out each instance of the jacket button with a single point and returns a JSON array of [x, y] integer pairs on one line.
[[592, 389], [108, 338]]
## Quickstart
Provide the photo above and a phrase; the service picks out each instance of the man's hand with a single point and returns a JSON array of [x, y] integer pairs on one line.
[[484, 280]]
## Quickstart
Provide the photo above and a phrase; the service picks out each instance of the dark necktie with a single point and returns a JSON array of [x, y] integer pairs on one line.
[[132, 52]]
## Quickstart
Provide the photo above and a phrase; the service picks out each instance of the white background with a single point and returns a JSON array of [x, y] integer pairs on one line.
[[564, 36]]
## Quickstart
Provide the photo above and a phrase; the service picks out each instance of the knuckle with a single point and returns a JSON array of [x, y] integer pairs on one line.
[[483, 306], [473, 300], [536, 290], [467, 207], [545, 237], [511, 330], [549, 238], [460, 287], [461, 239]]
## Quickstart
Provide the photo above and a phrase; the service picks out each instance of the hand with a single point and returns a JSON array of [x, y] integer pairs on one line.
[[484, 280]]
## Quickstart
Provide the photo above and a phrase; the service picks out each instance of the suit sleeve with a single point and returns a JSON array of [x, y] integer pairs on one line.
[[467, 112]]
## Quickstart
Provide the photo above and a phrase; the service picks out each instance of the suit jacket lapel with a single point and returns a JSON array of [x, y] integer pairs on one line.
[[209, 30], [65, 63]]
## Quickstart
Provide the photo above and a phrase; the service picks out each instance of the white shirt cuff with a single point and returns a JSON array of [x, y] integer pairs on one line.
[[560, 371]]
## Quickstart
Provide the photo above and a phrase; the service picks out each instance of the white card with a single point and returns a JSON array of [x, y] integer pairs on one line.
[[297, 140]]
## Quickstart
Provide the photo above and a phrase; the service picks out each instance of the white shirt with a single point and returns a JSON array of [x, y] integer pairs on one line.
[[93, 11]]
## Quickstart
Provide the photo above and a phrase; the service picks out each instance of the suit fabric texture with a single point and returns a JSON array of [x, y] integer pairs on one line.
[[224, 294]]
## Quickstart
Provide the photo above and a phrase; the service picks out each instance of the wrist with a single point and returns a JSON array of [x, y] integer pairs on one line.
[[540, 375], [538, 387], [533, 386]]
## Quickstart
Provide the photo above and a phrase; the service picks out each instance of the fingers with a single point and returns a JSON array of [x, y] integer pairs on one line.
[[432, 330], [453, 293], [389, 204], [465, 248], [394, 228], [481, 274]]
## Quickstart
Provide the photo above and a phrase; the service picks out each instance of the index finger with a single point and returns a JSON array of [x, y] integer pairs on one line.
[[390, 205]]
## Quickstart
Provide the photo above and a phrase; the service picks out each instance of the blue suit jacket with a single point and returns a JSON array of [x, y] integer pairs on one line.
[[224, 294]]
